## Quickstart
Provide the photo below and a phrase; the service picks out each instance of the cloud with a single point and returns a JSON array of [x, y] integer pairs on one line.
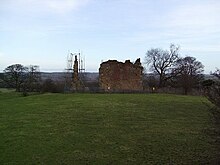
[[196, 15], [4, 61], [55, 6], [1, 58], [62, 6]]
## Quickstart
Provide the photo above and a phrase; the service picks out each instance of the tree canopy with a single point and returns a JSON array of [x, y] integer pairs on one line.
[[22, 78], [189, 72], [14, 76], [162, 61]]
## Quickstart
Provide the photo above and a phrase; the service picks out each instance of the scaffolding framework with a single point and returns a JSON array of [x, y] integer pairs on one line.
[[75, 72]]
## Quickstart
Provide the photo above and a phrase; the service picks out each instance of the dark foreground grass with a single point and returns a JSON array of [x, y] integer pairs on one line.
[[106, 129]]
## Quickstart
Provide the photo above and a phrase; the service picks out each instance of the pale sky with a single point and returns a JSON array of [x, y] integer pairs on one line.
[[42, 32]]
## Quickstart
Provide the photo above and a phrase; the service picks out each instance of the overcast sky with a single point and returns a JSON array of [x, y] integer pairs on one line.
[[42, 32]]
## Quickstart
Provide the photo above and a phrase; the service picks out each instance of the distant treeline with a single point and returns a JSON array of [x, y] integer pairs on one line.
[[168, 72]]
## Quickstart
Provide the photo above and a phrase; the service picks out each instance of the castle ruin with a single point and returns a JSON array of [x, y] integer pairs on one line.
[[76, 84], [117, 76]]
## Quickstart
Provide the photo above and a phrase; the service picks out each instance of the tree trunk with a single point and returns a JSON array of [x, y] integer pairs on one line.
[[161, 81], [186, 91]]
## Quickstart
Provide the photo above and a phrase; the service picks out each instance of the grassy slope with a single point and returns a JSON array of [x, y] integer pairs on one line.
[[103, 128]]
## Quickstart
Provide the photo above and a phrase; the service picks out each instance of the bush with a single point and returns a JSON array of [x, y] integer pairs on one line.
[[48, 86], [213, 93]]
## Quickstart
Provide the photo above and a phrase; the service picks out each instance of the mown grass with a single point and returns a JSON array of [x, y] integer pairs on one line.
[[106, 129], [6, 90]]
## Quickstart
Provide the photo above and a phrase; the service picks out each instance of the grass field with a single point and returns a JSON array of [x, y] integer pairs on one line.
[[106, 129]]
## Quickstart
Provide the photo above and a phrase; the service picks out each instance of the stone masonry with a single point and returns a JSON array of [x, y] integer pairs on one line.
[[117, 76], [76, 85]]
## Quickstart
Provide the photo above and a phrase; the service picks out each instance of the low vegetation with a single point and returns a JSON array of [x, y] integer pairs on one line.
[[107, 129], [213, 90]]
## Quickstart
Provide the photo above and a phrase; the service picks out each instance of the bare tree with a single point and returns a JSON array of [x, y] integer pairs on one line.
[[162, 61], [32, 79], [189, 72], [22, 78], [14, 76]]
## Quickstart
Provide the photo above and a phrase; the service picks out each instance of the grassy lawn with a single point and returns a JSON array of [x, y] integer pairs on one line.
[[5, 90], [106, 129]]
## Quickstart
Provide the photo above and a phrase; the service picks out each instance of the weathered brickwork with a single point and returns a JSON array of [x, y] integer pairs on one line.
[[121, 77], [76, 84]]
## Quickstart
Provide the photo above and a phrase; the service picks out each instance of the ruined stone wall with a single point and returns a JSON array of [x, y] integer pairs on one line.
[[76, 84], [118, 77]]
